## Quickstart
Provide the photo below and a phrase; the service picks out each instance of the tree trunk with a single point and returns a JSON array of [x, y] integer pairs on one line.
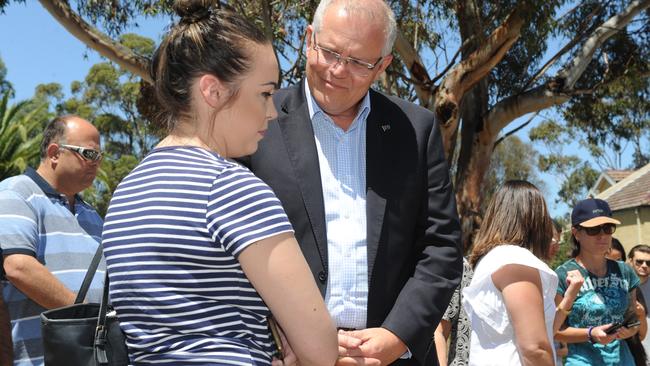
[[555, 92], [473, 107]]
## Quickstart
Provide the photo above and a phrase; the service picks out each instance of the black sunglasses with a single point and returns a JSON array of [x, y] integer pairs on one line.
[[608, 229], [86, 153], [639, 262]]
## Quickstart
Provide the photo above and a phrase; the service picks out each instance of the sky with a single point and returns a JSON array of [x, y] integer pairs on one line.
[[36, 49]]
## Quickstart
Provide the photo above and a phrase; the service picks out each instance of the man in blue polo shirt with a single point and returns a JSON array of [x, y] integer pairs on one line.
[[48, 234]]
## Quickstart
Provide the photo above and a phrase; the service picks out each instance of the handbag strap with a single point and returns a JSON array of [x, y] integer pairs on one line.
[[90, 273], [100, 332]]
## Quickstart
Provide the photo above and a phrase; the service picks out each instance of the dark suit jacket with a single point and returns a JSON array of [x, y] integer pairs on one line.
[[413, 236]]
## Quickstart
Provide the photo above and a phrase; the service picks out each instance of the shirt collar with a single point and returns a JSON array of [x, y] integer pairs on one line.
[[314, 108], [45, 186]]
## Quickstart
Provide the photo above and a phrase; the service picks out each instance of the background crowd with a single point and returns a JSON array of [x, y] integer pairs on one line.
[[325, 207]]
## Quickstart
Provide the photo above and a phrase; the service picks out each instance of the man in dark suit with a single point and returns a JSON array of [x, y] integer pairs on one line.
[[364, 181]]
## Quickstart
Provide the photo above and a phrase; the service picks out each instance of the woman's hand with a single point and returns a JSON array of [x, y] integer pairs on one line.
[[639, 310], [574, 281], [289, 358], [599, 335], [625, 333]]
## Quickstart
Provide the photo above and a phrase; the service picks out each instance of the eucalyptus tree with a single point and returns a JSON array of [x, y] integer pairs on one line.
[[478, 65]]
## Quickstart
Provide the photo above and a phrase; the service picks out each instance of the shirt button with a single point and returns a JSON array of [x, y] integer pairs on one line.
[[322, 276]]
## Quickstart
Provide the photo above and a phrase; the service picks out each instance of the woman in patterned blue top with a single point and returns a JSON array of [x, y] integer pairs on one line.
[[604, 298], [199, 250]]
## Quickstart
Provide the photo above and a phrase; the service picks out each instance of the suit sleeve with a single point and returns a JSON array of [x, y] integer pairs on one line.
[[438, 269]]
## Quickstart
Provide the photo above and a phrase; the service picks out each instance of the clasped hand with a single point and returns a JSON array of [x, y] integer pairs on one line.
[[371, 346]]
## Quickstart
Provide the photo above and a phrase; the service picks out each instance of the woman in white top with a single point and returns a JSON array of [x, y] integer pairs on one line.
[[510, 301]]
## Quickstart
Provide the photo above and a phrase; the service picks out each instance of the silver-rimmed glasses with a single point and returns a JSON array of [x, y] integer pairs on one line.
[[86, 153], [355, 66]]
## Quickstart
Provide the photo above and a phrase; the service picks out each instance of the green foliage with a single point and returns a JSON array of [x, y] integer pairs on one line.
[[522, 60], [611, 111], [108, 96], [577, 175], [111, 172], [511, 159], [565, 243], [614, 116], [5, 85], [20, 136]]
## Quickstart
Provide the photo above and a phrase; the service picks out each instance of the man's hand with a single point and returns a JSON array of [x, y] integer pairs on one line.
[[371, 346]]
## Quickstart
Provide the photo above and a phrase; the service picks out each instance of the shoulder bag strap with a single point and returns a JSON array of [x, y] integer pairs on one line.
[[81, 295], [101, 332]]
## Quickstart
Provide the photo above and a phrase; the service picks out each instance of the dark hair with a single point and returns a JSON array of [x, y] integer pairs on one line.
[[54, 132], [516, 215], [639, 248], [616, 245], [206, 40], [576, 245]]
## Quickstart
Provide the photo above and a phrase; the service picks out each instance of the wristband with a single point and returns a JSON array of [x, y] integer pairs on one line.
[[589, 337]]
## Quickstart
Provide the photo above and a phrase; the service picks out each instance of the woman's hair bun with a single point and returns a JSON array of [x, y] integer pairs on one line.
[[192, 11]]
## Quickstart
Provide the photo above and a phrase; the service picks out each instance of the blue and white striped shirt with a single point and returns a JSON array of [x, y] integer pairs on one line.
[[36, 220], [173, 232], [342, 162]]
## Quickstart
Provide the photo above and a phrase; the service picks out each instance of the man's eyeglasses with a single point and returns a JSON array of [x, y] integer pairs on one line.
[[640, 262], [86, 153], [608, 229], [355, 66]]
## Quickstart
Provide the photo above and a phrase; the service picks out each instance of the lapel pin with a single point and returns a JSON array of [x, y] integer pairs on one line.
[[385, 127]]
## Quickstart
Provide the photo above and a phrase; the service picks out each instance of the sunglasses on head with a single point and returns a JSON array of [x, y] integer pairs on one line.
[[608, 229], [639, 262], [86, 153]]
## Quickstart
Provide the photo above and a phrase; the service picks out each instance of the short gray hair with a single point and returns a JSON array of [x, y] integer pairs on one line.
[[387, 17]]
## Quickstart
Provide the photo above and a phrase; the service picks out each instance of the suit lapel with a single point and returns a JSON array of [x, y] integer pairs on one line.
[[298, 135], [377, 128]]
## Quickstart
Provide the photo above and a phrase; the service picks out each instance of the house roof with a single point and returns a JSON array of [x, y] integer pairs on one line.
[[632, 191], [618, 175], [607, 179]]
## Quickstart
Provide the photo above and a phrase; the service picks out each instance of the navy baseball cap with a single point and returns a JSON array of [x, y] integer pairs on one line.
[[592, 212]]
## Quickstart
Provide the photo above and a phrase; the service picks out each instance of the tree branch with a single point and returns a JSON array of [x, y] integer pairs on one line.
[[471, 70], [510, 133], [572, 71], [559, 89], [93, 38], [416, 67], [557, 56], [268, 30]]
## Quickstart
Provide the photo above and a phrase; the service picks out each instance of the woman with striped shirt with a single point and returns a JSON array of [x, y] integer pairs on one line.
[[199, 250]]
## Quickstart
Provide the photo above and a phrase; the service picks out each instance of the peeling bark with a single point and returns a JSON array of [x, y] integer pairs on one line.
[[415, 66], [471, 70]]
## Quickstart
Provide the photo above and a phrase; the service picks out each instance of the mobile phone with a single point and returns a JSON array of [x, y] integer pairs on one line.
[[275, 332], [633, 324], [613, 328]]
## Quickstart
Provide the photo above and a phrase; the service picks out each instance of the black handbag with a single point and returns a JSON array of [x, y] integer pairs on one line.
[[83, 334]]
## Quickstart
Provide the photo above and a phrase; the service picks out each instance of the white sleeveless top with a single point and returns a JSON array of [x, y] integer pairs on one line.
[[492, 339]]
